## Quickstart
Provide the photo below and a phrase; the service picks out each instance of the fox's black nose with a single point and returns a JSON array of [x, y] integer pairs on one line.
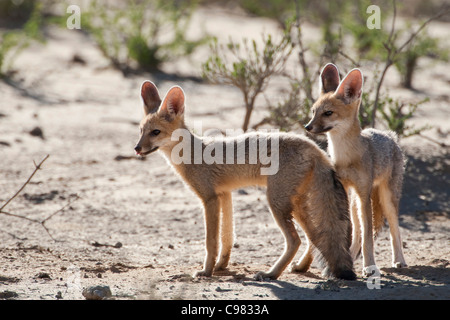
[[308, 127], [138, 148]]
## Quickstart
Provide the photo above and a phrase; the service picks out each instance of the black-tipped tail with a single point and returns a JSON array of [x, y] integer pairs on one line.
[[346, 275]]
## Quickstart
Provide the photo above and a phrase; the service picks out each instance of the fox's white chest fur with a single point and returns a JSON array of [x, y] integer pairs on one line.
[[344, 151]]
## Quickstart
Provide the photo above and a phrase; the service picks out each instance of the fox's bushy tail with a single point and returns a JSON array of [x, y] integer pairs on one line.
[[326, 219]]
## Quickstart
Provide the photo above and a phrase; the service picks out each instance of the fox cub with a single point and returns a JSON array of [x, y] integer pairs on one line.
[[304, 187], [368, 162]]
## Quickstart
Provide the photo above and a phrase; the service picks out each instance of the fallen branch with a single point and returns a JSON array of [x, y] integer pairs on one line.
[[56, 212], [97, 244], [42, 223], [37, 167]]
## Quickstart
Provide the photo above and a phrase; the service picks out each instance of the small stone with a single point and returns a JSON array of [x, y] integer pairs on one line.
[[44, 275], [97, 293], [37, 132], [8, 295], [58, 295], [118, 245]]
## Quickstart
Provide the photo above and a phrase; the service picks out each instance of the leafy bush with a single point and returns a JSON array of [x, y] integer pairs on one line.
[[250, 67], [133, 34], [407, 61], [12, 42], [396, 113], [279, 10], [290, 113], [15, 13]]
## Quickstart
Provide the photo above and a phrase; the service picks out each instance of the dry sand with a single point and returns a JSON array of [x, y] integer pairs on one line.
[[136, 228]]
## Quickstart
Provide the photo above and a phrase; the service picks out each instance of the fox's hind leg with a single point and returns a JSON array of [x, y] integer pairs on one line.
[[226, 230], [281, 211], [390, 210], [305, 260], [292, 242]]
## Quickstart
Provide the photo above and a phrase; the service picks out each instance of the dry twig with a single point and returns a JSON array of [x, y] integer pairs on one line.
[[42, 223], [37, 167]]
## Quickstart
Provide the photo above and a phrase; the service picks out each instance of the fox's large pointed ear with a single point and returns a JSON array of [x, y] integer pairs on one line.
[[150, 96], [329, 78], [173, 104], [350, 88]]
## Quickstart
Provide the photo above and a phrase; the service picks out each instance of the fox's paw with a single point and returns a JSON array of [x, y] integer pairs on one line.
[[371, 271], [221, 265], [202, 273], [299, 267], [399, 265], [262, 276]]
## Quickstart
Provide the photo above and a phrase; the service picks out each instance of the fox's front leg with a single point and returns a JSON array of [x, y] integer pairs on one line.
[[212, 214], [226, 231], [355, 247], [367, 234]]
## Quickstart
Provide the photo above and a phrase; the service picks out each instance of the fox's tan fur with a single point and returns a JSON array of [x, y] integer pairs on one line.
[[304, 189], [368, 162]]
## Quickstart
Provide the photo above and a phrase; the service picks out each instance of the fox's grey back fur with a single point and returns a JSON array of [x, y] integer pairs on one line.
[[387, 157]]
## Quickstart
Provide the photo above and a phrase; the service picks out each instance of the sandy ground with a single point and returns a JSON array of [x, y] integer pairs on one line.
[[136, 228]]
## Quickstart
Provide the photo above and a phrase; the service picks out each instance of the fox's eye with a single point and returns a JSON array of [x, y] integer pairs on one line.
[[328, 113], [155, 132]]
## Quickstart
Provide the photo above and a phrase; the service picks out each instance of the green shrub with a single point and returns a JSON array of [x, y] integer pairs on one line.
[[12, 42], [15, 13], [130, 33], [292, 112], [407, 61], [247, 66], [396, 113]]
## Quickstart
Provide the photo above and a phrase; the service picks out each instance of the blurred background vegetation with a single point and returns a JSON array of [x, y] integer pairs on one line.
[[140, 35]]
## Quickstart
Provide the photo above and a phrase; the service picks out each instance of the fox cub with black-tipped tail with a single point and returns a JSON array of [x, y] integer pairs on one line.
[[301, 185], [369, 163]]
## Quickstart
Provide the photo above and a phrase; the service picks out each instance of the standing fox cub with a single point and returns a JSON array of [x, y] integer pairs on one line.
[[304, 186], [368, 162]]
